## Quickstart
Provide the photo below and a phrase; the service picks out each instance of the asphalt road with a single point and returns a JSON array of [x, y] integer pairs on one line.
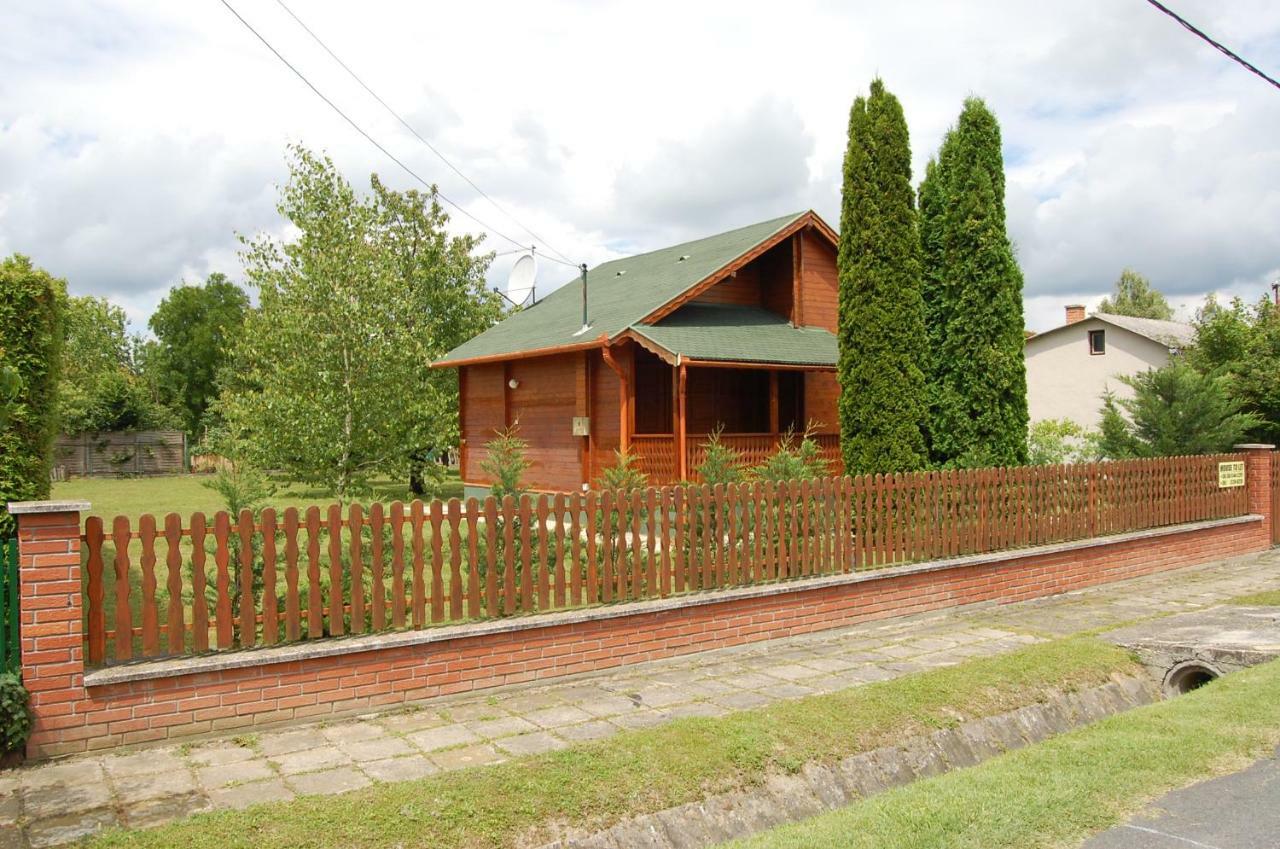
[[1236, 811]]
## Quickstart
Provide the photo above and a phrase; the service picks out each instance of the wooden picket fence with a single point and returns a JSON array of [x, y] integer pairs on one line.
[[246, 581]]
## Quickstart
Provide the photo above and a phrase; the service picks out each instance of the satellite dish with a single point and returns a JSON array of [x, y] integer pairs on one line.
[[521, 280]]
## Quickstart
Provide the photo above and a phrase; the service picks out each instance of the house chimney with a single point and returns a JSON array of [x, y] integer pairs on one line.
[[1075, 312]]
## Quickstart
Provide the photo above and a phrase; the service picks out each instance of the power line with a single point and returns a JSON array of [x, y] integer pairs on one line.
[[415, 133], [1217, 45], [361, 131]]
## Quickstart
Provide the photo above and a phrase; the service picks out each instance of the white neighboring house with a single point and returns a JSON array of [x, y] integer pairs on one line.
[[1070, 367]]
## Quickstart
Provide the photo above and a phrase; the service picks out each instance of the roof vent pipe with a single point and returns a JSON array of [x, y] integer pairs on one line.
[[585, 324]]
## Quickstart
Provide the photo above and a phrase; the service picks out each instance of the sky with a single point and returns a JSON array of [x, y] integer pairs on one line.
[[140, 139]]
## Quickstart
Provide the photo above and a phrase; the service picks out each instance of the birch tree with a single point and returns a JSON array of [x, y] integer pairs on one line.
[[330, 378]]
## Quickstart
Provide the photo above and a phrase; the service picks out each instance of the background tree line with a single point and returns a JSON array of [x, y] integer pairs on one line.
[[325, 380]]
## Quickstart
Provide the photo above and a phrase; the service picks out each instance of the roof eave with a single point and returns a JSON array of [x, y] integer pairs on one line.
[[552, 350]]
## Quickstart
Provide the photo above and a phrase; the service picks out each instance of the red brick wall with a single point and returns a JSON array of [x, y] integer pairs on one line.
[[72, 718]]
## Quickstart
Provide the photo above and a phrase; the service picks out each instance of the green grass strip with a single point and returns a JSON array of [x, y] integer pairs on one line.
[[596, 784], [1268, 598], [1061, 791]]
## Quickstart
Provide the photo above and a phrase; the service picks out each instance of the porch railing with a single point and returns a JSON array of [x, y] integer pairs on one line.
[[656, 454]]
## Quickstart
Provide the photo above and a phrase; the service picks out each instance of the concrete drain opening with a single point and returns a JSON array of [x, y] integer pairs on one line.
[[1188, 676]]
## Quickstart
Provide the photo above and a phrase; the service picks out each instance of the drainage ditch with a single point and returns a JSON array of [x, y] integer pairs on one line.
[[1180, 653]]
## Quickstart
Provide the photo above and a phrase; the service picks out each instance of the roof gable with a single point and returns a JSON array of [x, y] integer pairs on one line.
[[1170, 334], [625, 292]]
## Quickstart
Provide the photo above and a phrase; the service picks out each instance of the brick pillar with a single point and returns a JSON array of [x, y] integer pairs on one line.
[[51, 622], [1257, 480]]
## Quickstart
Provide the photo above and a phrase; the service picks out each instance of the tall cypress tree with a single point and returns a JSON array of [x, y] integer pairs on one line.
[[882, 342], [978, 378], [932, 207]]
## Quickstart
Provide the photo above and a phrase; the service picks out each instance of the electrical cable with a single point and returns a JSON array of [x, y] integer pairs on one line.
[[415, 133], [1226, 51], [361, 130]]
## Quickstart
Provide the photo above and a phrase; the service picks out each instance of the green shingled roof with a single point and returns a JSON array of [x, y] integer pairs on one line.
[[620, 294], [740, 334]]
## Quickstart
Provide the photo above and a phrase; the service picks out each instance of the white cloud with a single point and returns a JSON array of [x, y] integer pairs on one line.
[[137, 137]]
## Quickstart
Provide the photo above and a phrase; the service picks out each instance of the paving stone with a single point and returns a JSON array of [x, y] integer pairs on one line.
[[285, 742], [466, 756], [329, 781], [504, 727], [787, 690], [166, 809], [475, 711], [531, 701], [54, 831], [54, 799], [307, 760], [244, 795], [595, 730], [71, 772], [353, 732], [218, 754], [641, 719], [443, 737], [139, 788], [10, 807], [608, 705], [399, 769], [415, 720], [744, 701], [146, 762], [530, 744], [555, 716], [378, 749], [221, 775], [11, 837]]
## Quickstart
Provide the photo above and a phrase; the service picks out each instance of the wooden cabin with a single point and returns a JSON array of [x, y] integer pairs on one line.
[[735, 330]]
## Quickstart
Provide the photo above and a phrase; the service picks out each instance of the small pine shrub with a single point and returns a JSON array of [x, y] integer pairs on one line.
[[793, 459], [15, 712], [624, 474], [505, 463], [720, 464]]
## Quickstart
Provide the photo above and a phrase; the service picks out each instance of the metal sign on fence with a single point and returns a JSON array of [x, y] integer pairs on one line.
[[1231, 474]]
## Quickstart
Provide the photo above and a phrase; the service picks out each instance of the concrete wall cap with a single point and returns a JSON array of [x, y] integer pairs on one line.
[[20, 508], [1254, 446]]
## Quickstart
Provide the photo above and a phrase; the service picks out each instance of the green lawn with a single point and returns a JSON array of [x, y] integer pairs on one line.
[[1063, 790], [596, 784], [186, 494]]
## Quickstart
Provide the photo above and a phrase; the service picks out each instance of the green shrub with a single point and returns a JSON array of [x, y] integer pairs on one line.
[[793, 459], [506, 462], [32, 309], [15, 712], [623, 474], [720, 463]]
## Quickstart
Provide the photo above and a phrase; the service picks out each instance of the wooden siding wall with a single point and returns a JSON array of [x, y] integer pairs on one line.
[[742, 289], [604, 415], [482, 413], [821, 396], [775, 267], [819, 282], [543, 403]]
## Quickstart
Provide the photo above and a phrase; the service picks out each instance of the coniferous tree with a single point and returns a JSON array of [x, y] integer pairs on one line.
[[883, 410], [979, 399]]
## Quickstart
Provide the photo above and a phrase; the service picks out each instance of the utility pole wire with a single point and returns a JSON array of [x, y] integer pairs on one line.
[[415, 133], [361, 131], [1226, 51]]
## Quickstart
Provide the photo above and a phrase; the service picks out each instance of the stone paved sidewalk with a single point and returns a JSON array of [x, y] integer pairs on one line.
[[52, 803]]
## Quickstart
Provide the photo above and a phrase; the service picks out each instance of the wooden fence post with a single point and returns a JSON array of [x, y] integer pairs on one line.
[[50, 609]]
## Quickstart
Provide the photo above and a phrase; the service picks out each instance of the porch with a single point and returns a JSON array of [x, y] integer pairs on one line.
[[675, 402]]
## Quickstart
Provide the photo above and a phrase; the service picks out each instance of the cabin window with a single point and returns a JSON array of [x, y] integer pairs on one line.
[[1097, 341]]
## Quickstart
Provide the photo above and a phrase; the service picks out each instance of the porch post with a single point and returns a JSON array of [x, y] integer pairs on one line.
[[773, 402], [682, 456]]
